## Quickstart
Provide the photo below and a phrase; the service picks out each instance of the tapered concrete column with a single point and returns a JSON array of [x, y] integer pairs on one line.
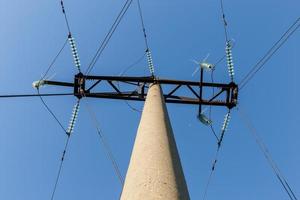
[[155, 170]]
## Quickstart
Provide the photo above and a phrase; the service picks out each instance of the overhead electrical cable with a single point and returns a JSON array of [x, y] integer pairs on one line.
[[124, 72], [214, 132], [228, 45], [219, 145], [106, 145], [211, 173], [148, 51], [71, 39], [220, 60], [75, 111], [224, 20], [210, 107], [65, 15], [223, 57], [60, 168], [34, 95], [143, 24], [267, 154], [108, 36], [39, 84], [51, 112], [54, 60], [132, 65], [228, 56], [69, 131], [287, 34]]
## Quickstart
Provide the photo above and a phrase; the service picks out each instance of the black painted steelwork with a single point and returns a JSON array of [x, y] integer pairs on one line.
[[226, 95]]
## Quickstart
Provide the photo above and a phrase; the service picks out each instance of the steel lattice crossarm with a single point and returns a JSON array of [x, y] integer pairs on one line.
[[226, 94]]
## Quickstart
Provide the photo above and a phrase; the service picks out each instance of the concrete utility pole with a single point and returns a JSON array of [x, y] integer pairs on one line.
[[155, 170]]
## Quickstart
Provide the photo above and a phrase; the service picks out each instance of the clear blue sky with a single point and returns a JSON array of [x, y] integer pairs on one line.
[[31, 142]]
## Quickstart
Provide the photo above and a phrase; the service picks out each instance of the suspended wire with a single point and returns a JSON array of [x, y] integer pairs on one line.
[[210, 107], [60, 168], [148, 51], [290, 31], [214, 132], [132, 65], [267, 154], [213, 92], [219, 145], [143, 24], [108, 36], [40, 82], [105, 144], [223, 57], [54, 60], [38, 87], [34, 95], [71, 39], [220, 60], [224, 20], [124, 72], [228, 45], [212, 75], [211, 172], [65, 15], [51, 112], [68, 132]]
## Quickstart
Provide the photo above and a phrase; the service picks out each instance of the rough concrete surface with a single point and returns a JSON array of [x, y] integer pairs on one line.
[[155, 171]]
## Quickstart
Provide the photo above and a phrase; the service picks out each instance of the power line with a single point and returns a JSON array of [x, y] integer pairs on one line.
[[68, 132], [270, 53], [54, 60], [267, 154], [133, 64], [42, 78], [65, 15], [34, 95], [60, 168], [228, 48], [71, 39], [105, 144], [223, 57], [211, 172], [38, 89], [109, 35], [143, 24], [219, 145], [48, 108], [124, 72], [148, 51], [224, 20], [210, 107], [51, 112]]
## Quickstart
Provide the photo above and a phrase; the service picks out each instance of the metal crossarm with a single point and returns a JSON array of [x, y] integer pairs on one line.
[[227, 94]]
